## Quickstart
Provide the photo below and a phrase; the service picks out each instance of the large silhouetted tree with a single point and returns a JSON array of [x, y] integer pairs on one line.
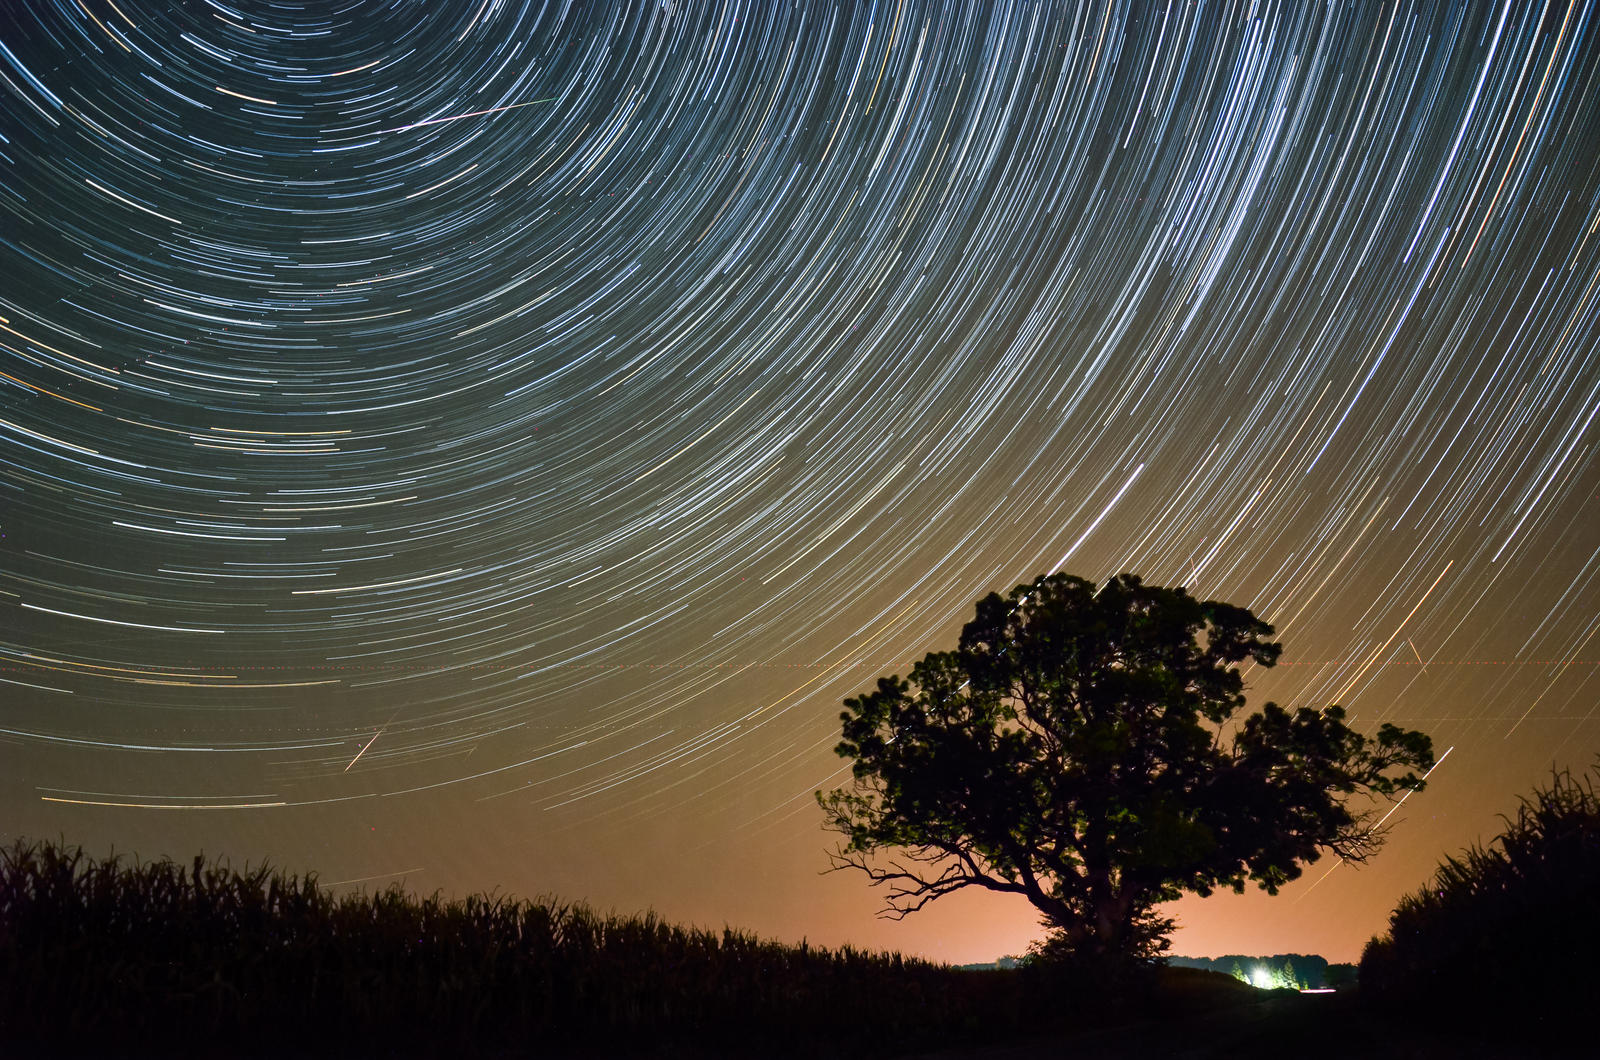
[[1083, 748]]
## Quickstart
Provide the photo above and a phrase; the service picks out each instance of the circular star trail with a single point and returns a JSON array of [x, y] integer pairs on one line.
[[435, 436]]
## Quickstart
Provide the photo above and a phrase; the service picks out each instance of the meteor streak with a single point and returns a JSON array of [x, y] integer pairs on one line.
[[363, 750], [469, 114], [1382, 819], [1097, 520]]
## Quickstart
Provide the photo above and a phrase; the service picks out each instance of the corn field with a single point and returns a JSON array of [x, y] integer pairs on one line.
[[1507, 932], [225, 961]]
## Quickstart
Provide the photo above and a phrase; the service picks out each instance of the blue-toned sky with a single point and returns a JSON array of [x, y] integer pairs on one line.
[[481, 443]]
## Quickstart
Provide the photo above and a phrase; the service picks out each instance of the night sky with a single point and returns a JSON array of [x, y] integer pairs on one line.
[[480, 445]]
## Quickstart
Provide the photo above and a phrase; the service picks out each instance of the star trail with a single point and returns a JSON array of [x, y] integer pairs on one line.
[[481, 443]]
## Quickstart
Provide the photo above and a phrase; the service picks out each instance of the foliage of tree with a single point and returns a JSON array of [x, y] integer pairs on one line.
[[1508, 928], [1297, 970], [1263, 976], [1083, 748], [1339, 976]]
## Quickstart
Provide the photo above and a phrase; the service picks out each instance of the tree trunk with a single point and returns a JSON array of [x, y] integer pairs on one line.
[[1107, 909]]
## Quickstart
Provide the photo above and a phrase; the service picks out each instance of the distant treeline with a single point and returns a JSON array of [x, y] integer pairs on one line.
[[1296, 971], [146, 957]]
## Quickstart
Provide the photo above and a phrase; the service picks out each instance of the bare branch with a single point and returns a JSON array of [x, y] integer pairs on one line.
[[910, 890]]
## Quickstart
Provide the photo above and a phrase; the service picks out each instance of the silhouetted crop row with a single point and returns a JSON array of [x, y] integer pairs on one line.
[[147, 954], [1506, 931]]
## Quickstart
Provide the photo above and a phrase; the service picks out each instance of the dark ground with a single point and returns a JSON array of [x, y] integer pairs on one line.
[[1192, 1016], [1211, 1016], [1283, 1026], [1280, 1026]]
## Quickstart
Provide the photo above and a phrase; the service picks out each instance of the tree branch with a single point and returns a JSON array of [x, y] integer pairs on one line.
[[910, 890]]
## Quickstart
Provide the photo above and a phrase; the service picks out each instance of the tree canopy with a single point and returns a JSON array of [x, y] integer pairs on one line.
[[1082, 747]]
